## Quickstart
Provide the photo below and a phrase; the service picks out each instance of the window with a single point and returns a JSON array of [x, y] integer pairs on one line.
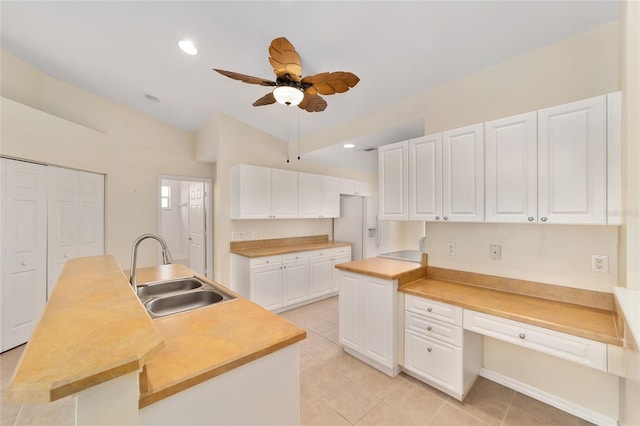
[[165, 197]]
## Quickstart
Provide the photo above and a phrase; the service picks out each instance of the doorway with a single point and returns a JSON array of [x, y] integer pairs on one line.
[[185, 221]]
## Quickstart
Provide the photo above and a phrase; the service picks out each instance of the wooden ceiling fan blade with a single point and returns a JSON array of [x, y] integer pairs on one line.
[[267, 99], [284, 59], [328, 83], [246, 78], [313, 103]]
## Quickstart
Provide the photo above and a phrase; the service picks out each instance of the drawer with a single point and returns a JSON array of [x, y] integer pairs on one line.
[[435, 329], [258, 262], [320, 253], [341, 251], [434, 361], [295, 257], [432, 309], [572, 348]]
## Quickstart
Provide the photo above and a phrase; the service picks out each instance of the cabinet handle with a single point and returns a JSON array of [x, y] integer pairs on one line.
[[446, 218], [530, 218], [429, 309], [429, 349], [66, 255], [429, 328], [266, 261], [24, 263], [521, 335], [437, 217], [544, 219]]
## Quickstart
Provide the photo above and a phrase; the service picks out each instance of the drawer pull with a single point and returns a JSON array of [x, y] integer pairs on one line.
[[24, 263], [521, 335], [429, 309], [429, 349], [429, 328], [530, 218]]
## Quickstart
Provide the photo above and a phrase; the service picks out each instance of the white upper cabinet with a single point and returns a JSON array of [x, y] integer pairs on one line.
[[319, 196], [393, 181], [572, 162], [511, 169], [425, 178], [263, 193], [352, 187], [463, 174]]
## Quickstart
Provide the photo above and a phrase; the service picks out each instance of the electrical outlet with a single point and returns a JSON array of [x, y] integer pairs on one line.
[[238, 236], [451, 249], [254, 235], [600, 263], [495, 251]]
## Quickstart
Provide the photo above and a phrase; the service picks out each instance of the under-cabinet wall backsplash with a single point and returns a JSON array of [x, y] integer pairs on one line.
[[554, 254]]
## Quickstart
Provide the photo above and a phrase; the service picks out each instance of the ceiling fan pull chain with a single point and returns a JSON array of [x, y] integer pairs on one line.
[[298, 134], [287, 119]]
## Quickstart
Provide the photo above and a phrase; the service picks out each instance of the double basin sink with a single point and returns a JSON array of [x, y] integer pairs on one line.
[[170, 297]]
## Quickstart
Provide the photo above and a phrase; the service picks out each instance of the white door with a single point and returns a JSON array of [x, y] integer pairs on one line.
[[511, 169], [197, 240], [572, 162], [284, 194], [463, 174], [90, 214], [425, 178], [392, 181], [62, 221], [23, 291]]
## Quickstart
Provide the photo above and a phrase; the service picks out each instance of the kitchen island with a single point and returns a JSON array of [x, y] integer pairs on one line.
[[230, 363]]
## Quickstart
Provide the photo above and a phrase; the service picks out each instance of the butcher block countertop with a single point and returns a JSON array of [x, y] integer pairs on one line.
[[274, 247], [582, 313], [94, 329]]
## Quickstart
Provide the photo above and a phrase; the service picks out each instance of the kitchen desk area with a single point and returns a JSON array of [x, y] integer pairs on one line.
[[431, 323], [230, 363]]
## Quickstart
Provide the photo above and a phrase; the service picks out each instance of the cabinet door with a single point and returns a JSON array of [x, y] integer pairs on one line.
[[295, 282], [350, 311], [23, 290], [330, 196], [425, 178], [250, 192], [572, 162], [347, 187], [393, 181], [378, 301], [335, 284], [511, 169], [266, 287], [310, 195], [284, 194], [62, 221], [433, 360], [463, 175], [320, 276]]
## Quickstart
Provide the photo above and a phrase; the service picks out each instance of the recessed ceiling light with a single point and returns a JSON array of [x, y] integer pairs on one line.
[[349, 145], [151, 97], [187, 47]]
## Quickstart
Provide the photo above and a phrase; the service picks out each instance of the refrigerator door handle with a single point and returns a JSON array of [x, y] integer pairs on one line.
[[378, 236]]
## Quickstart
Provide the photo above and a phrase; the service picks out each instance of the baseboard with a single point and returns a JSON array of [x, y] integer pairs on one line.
[[547, 398]]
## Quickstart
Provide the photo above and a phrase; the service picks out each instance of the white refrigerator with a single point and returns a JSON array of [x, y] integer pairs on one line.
[[358, 224]]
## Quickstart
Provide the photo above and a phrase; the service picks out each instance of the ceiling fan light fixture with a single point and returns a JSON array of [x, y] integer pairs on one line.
[[288, 95]]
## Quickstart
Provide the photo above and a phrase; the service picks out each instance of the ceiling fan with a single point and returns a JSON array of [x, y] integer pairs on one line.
[[290, 88]]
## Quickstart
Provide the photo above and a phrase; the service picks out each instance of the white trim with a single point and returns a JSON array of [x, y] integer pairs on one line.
[[547, 398], [208, 212]]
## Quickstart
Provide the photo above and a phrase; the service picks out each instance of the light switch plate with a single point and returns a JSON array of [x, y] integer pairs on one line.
[[495, 251]]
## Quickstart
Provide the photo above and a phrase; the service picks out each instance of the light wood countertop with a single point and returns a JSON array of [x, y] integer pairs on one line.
[[207, 342], [274, 250], [389, 269], [93, 329], [574, 319]]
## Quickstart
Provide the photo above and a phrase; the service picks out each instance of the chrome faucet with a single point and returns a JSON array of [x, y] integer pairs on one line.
[[166, 255]]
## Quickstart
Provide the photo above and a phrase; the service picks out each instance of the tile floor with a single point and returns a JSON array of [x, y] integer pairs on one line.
[[337, 389]]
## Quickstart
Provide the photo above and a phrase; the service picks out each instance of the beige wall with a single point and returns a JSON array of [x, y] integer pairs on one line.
[[131, 148]]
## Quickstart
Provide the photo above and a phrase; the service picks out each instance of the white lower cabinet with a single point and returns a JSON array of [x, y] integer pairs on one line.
[[368, 320], [436, 348], [286, 281]]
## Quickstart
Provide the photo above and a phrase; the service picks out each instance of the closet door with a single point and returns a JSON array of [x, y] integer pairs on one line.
[[23, 291], [90, 214], [63, 221]]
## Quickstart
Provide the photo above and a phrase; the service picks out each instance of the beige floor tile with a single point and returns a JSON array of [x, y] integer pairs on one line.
[[487, 401], [321, 414], [448, 415], [545, 413], [320, 347], [9, 413], [306, 360], [419, 402], [384, 414], [320, 380], [371, 379], [351, 402]]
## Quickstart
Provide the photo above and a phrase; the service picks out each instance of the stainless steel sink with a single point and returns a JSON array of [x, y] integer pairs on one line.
[[164, 288], [170, 297]]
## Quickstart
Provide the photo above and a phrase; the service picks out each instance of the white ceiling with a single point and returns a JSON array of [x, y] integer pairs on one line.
[[121, 50]]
